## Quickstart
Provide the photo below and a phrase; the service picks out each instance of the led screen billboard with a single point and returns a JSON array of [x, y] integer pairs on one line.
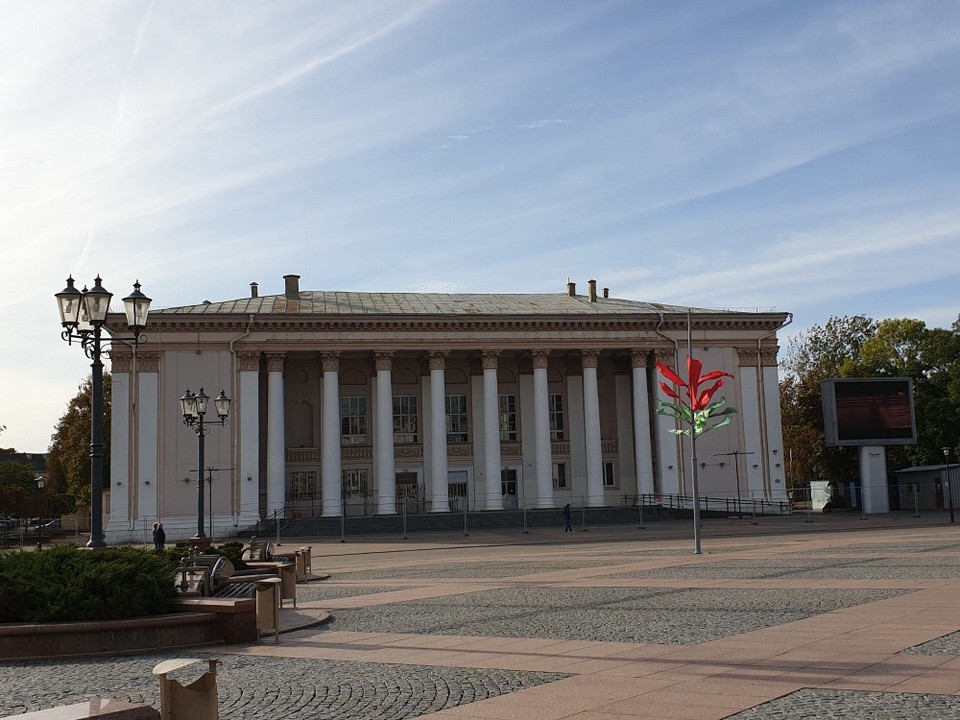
[[869, 411]]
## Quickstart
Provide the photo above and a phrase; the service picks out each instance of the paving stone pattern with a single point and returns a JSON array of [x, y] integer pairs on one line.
[[439, 571], [638, 615], [946, 645], [815, 568], [258, 688], [854, 705], [322, 591]]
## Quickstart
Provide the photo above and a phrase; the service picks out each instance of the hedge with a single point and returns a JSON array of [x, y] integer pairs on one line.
[[71, 584]]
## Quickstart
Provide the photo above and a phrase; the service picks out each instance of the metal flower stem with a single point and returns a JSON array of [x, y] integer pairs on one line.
[[693, 453]]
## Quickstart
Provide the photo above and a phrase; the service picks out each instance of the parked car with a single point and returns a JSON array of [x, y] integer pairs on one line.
[[7, 523]]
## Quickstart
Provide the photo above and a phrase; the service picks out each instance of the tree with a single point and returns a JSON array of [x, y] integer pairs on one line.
[[858, 347], [906, 348], [811, 357], [68, 460]]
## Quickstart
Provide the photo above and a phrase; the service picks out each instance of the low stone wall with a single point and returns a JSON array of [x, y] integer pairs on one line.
[[201, 621]]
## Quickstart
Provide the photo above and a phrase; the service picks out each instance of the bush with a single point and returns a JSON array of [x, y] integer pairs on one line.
[[67, 583]]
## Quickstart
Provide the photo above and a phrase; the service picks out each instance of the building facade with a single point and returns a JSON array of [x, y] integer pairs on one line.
[[372, 403]]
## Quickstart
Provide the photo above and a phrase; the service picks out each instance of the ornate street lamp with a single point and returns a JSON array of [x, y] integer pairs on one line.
[[83, 315], [194, 407]]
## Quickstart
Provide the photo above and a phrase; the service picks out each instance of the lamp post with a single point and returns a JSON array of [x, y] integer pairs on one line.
[[40, 482], [194, 408], [946, 459], [83, 315], [736, 469]]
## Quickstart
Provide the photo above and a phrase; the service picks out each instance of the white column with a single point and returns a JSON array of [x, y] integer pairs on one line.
[[591, 416], [541, 430], [148, 438], [439, 490], [774, 446], [249, 438], [493, 489], [276, 443], [330, 466], [750, 415], [386, 473], [643, 451], [119, 519], [626, 454], [668, 447]]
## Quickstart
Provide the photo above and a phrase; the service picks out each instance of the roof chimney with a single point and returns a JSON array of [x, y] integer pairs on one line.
[[606, 293], [571, 289], [253, 290], [593, 290], [292, 286]]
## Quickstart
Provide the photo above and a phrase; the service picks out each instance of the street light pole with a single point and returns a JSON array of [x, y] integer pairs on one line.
[[194, 408], [40, 481], [83, 315], [946, 458], [736, 468]]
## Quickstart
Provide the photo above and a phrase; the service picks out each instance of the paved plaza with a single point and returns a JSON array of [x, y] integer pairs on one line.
[[837, 618]]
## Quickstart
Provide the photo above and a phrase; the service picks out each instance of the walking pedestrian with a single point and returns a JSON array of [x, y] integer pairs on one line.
[[566, 519]]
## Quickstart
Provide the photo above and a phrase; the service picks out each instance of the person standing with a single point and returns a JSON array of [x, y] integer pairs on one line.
[[566, 519], [159, 536]]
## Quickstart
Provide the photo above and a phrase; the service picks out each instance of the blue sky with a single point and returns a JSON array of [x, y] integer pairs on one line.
[[744, 153]]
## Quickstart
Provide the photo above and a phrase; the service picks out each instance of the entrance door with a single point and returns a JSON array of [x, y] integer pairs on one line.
[[408, 491], [508, 485]]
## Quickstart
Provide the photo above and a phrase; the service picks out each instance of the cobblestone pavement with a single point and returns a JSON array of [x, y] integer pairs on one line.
[[855, 705], [253, 688], [638, 615], [439, 571], [320, 591], [504, 616], [816, 568]]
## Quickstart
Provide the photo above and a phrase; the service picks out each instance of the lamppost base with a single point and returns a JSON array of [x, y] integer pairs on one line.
[[200, 542]]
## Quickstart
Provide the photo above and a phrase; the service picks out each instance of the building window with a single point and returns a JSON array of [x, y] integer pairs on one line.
[[353, 421], [559, 476], [355, 482], [303, 485], [457, 419], [405, 424], [556, 417], [508, 417], [608, 477]]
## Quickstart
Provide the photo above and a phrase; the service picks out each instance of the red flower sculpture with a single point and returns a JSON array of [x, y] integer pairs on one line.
[[695, 407]]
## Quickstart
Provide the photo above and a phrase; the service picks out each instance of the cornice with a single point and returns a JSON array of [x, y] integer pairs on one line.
[[174, 323]]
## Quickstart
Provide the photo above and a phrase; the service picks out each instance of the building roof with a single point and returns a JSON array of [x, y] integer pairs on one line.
[[362, 303]]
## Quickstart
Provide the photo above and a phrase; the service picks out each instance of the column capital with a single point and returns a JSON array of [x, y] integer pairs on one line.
[[665, 355], [768, 355], [120, 360], [437, 359], [589, 358], [541, 359], [638, 358], [248, 360], [330, 361], [275, 361], [383, 361], [489, 359], [746, 356], [148, 362]]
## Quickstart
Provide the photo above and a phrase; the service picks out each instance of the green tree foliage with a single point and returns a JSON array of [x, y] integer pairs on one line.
[[19, 495], [68, 459], [811, 357], [855, 347]]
